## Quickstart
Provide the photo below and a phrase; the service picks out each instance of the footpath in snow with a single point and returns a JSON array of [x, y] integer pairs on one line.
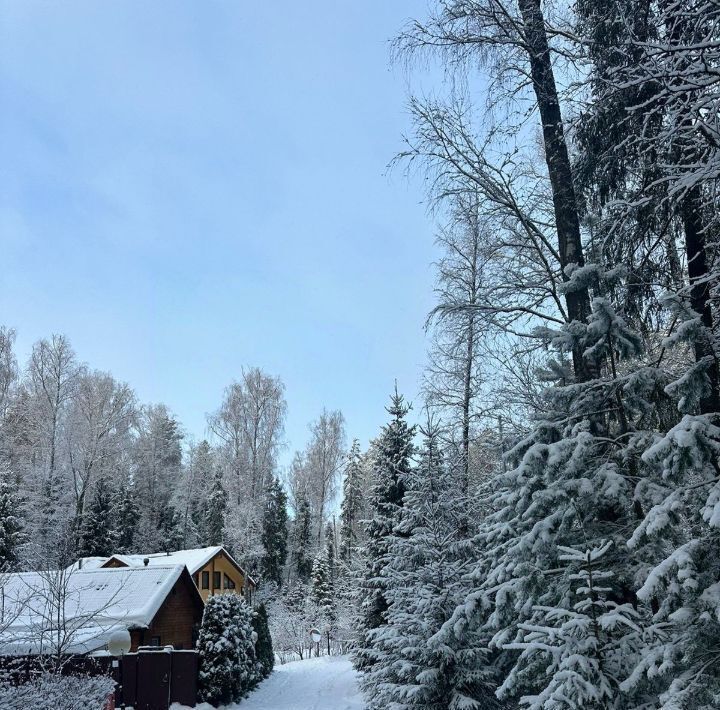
[[325, 683]]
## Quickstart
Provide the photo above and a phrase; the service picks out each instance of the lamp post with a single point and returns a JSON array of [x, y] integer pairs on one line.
[[118, 645], [316, 636]]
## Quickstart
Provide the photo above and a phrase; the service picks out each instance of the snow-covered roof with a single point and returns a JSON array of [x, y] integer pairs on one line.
[[93, 603], [194, 560], [85, 563]]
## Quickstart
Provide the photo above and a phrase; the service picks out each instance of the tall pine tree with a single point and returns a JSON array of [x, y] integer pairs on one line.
[[352, 503], [390, 471], [128, 515], [423, 575], [212, 526], [98, 534], [10, 522], [302, 530], [274, 533]]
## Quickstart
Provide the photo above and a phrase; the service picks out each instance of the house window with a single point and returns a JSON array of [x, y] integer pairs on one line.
[[216, 580], [206, 580], [228, 583], [155, 641]]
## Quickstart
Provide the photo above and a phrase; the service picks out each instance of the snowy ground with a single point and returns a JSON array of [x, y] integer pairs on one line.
[[325, 683]]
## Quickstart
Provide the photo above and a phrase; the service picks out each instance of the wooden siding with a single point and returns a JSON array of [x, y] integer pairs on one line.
[[177, 621]]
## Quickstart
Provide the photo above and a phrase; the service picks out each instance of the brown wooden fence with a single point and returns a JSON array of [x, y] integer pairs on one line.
[[151, 679]]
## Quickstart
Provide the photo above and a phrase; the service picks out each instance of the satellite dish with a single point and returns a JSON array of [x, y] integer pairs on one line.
[[315, 635], [119, 642]]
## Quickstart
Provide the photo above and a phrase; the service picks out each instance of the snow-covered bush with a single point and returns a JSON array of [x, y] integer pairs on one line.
[[57, 692], [227, 650], [263, 646]]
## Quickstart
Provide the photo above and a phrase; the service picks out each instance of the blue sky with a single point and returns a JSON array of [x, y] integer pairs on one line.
[[189, 187]]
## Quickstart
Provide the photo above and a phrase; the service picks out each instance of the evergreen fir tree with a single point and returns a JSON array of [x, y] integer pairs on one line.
[[576, 475], [390, 471], [680, 538], [330, 552], [263, 646], [582, 649], [212, 530], [127, 519], [323, 595], [172, 525], [98, 534], [322, 584], [424, 573], [10, 523], [226, 650], [302, 530], [352, 506], [274, 534]]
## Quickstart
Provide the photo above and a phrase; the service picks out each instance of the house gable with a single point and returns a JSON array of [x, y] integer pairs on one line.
[[220, 575], [177, 621]]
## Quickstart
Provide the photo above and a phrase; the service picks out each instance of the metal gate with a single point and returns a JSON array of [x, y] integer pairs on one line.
[[153, 679]]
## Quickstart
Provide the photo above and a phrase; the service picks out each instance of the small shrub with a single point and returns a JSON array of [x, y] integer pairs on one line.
[[57, 692]]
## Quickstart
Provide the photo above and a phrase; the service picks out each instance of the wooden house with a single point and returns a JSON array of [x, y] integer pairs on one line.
[[213, 569], [76, 611]]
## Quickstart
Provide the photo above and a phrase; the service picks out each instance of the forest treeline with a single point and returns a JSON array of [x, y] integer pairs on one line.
[[554, 540], [90, 471]]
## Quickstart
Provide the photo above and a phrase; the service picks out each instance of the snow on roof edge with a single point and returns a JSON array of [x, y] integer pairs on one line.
[[184, 557]]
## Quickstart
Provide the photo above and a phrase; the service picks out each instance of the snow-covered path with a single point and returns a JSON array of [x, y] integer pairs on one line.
[[325, 683]]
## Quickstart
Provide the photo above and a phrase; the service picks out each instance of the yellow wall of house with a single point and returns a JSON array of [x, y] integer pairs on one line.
[[220, 564]]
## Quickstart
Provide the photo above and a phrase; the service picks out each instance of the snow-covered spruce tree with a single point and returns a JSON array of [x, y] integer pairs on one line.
[[10, 523], [576, 478], [425, 566], [98, 534], [660, 80], [157, 461], [331, 552], [226, 648], [352, 503], [323, 594], [263, 646], [391, 467], [681, 580], [174, 527], [274, 533], [127, 517], [587, 644], [214, 519], [302, 531]]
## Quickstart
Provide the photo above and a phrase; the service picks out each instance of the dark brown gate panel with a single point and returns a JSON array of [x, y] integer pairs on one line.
[[127, 690], [153, 680], [183, 681]]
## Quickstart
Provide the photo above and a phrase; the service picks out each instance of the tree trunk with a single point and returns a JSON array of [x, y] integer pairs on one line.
[[567, 222], [699, 278]]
